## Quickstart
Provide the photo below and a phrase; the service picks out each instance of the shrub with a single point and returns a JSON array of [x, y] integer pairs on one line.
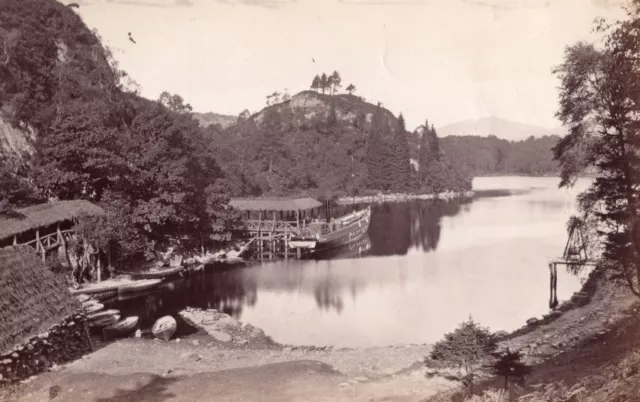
[[465, 348]]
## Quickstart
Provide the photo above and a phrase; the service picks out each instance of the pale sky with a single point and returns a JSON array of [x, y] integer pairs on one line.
[[446, 60]]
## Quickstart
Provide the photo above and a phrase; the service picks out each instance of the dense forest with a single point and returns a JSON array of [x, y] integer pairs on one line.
[[491, 155]]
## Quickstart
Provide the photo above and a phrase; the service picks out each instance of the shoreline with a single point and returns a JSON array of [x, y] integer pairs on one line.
[[399, 197], [359, 371]]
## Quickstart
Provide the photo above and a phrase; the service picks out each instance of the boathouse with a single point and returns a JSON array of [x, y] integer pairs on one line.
[[40, 322], [44, 226], [271, 222]]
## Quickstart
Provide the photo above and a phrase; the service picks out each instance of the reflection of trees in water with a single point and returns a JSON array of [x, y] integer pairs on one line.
[[328, 295], [226, 291], [395, 227]]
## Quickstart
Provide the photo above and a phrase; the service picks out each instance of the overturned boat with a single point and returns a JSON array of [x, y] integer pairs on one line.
[[164, 327]]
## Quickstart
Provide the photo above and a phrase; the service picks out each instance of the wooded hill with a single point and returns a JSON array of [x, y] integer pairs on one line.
[[328, 145]]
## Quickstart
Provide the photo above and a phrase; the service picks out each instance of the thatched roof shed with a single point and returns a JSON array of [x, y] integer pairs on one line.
[[32, 298], [274, 204], [40, 215]]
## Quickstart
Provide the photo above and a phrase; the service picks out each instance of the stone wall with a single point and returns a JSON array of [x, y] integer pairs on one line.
[[62, 343]]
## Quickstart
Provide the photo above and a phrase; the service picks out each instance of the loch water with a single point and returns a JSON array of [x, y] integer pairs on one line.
[[424, 267]]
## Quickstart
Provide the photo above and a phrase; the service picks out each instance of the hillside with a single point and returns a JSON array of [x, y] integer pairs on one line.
[[501, 128], [149, 166], [317, 144]]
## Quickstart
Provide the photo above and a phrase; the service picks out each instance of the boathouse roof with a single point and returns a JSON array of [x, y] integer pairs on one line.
[[32, 297], [33, 217], [274, 204]]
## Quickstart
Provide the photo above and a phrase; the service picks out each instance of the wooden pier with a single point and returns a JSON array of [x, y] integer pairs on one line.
[[271, 222], [575, 256]]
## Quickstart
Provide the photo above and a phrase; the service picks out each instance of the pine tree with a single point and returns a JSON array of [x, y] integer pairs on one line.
[[434, 144], [315, 85], [324, 82], [351, 89], [375, 154], [336, 82], [401, 165], [423, 156]]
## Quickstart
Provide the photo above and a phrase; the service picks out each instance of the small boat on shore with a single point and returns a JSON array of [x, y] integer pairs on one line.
[[105, 321], [123, 327], [164, 327], [97, 293], [137, 286], [157, 273], [102, 314], [93, 307], [83, 298]]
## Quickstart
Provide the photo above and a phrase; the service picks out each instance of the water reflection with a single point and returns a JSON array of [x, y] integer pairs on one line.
[[397, 227], [228, 291]]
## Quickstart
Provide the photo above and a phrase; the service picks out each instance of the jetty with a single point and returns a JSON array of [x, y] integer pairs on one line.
[[271, 222]]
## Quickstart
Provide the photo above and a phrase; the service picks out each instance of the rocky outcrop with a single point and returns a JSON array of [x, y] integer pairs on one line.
[[62, 343], [211, 119], [224, 328], [14, 141]]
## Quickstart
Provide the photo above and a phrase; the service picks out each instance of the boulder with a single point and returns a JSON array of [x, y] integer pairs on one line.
[[532, 321]]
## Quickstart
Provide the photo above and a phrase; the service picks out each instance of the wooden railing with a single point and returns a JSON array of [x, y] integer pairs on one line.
[[271, 226]]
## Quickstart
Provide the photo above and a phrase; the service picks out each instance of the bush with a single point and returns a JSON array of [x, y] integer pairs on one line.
[[464, 348]]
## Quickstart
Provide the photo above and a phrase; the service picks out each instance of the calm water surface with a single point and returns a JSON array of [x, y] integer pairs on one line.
[[425, 267]]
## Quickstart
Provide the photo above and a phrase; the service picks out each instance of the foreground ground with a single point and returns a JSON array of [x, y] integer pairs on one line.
[[202, 368]]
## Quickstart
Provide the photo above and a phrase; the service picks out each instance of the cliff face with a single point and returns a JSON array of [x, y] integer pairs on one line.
[[16, 142]]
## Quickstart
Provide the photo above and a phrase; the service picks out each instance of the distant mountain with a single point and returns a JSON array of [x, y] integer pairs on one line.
[[211, 119], [501, 128]]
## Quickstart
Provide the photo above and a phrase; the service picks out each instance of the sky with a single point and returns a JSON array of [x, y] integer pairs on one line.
[[445, 60]]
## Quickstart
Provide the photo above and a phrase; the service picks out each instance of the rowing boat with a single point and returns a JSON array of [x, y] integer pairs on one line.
[[101, 314], [92, 308], [138, 286], [123, 327]]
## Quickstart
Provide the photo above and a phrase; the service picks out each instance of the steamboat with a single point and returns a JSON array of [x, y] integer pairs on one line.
[[320, 235]]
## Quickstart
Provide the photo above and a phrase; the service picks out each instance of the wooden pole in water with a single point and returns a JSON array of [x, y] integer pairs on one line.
[[553, 296], [286, 243]]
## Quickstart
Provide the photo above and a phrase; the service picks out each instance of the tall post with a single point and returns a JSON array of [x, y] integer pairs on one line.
[[15, 240], [39, 246]]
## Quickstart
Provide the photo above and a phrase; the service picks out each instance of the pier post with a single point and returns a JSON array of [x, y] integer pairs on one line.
[[553, 296]]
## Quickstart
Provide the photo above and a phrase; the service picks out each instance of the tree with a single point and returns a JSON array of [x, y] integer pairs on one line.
[[509, 365], [374, 158], [434, 144], [599, 102], [400, 158], [315, 85], [335, 82], [464, 348], [174, 102], [15, 189], [423, 155], [351, 89], [324, 82]]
